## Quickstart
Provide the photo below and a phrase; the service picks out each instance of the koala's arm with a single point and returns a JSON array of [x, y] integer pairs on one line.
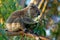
[[27, 20]]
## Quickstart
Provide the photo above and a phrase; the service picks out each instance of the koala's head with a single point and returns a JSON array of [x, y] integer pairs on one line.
[[34, 11]]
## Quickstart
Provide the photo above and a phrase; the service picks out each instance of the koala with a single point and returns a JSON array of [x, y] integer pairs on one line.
[[17, 20]]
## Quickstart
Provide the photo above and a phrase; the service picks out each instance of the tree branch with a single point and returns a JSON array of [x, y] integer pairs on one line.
[[25, 34]]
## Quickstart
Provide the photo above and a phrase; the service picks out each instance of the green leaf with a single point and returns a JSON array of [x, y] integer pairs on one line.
[[1, 38], [16, 38], [3, 34]]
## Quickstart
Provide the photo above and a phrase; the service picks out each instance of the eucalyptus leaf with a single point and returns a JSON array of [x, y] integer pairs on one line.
[[3, 32], [16, 38], [1, 38]]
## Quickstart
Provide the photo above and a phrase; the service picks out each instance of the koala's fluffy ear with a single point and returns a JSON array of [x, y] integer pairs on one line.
[[28, 21]]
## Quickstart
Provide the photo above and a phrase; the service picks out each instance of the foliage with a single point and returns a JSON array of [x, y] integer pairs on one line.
[[4, 34], [39, 29], [7, 7]]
